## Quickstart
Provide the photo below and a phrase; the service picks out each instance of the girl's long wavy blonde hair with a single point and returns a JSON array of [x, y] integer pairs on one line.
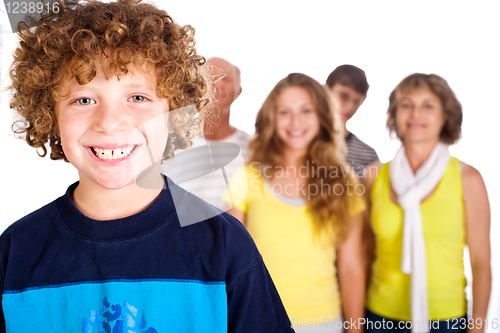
[[324, 155]]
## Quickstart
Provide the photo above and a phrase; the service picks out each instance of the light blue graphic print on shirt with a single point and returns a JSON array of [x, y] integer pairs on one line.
[[145, 306], [116, 318]]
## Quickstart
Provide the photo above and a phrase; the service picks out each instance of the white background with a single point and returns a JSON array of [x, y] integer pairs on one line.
[[269, 39]]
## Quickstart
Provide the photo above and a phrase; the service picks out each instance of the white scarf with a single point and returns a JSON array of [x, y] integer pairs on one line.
[[411, 190]]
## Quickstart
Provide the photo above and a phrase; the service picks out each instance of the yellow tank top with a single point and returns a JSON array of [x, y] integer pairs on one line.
[[444, 231], [301, 265]]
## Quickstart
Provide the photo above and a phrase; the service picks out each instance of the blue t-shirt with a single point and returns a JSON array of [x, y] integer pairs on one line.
[[64, 272]]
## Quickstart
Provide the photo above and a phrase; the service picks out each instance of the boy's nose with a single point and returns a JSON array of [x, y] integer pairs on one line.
[[111, 118]]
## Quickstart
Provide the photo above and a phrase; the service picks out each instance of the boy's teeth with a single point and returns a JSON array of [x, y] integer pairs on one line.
[[113, 154]]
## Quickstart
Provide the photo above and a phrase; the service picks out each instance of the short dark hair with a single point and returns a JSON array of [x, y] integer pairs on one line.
[[351, 76], [452, 109]]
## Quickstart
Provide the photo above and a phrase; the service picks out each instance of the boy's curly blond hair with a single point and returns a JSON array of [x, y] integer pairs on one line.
[[127, 33]]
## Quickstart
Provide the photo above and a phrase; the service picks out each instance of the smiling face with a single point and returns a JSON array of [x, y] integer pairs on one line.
[[419, 116], [104, 127], [348, 100], [297, 123]]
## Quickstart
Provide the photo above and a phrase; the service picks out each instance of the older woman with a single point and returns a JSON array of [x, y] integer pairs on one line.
[[425, 207]]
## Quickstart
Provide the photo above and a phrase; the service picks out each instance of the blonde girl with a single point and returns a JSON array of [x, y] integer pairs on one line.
[[303, 207]]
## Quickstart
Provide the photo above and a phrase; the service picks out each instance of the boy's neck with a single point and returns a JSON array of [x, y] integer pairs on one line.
[[99, 203]]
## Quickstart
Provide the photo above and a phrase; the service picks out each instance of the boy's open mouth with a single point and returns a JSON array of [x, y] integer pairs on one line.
[[112, 154]]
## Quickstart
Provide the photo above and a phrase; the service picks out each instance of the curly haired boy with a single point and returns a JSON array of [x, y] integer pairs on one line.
[[110, 255]]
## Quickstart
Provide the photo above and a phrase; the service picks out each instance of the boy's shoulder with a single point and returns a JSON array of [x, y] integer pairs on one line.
[[32, 223], [359, 150], [353, 140]]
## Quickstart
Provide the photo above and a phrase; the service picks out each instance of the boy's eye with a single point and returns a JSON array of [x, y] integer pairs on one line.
[[138, 98], [85, 101]]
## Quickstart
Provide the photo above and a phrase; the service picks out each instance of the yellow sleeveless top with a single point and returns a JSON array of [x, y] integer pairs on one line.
[[301, 265], [443, 220]]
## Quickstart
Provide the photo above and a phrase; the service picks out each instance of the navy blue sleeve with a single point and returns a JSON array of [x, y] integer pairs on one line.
[[2, 319], [4, 253], [254, 304]]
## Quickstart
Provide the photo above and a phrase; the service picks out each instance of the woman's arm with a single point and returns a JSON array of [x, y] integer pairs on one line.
[[238, 214], [477, 214], [351, 274], [370, 175]]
